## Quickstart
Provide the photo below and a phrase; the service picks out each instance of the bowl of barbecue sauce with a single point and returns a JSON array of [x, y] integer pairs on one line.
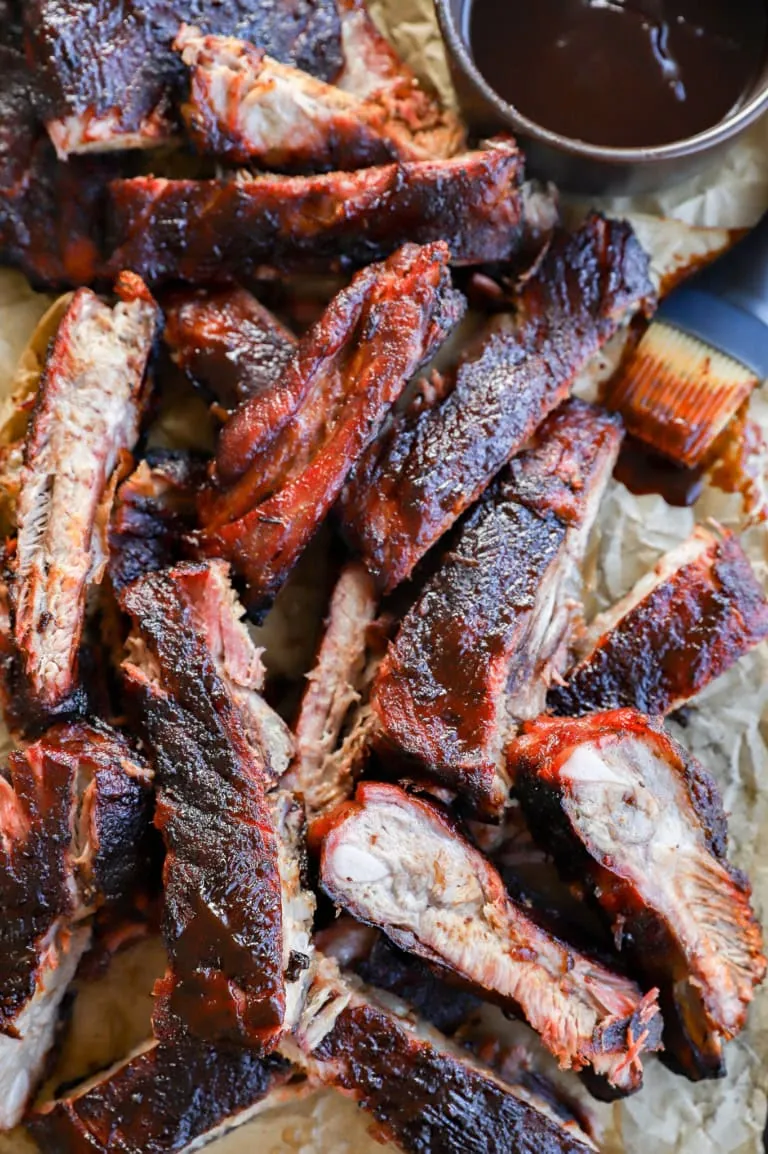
[[610, 96]]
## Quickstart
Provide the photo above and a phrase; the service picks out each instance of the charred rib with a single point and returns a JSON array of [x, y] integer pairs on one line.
[[207, 230], [435, 462], [88, 412], [683, 625], [625, 808], [290, 449], [478, 648], [399, 863]]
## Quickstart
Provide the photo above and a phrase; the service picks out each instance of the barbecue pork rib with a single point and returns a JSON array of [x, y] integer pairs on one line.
[[423, 1093], [477, 649], [163, 1100], [628, 811], [435, 461], [237, 920], [202, 230], [333, 685], [289, 449], [87, 415], [74, 817], [227, 343], [154, 507], [684, 624], [107, 72], [399, 863], [246, 108]]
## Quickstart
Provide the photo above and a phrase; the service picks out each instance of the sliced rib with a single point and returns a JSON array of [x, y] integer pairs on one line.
[[227, 343], [625, 809], [683, 625], [434, 462], [334, 683], [245, 107], [479, 646], [423, 1093], [108, 71], [74, 820], [154, 507], [163, 1100], [399, 863], [207, 230], [292, 447], [88, 411], [236, 921]]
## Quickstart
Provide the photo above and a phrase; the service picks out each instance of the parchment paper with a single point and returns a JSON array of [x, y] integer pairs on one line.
[[727, 729]]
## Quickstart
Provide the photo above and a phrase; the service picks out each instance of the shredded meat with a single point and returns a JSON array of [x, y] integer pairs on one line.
[[399, 863], [479, 646], [206, 230], [435, 461], [683, 625], [108, 73], [227, 343], [169, 1099], [625, 809], [87, 414], [422, 1092], [290, 449], [74, 824], [230, 913], [245, 107]]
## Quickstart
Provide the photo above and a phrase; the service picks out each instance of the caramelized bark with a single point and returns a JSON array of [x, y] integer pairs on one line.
[[423, 1094], [87, 414], [434, 462], [107, 71], [217, 229], [166, 1100], [223, 922], [398, 862], [227, 343], [627, 810], [686, 623], [290, 449], [246, 107], [478, 647]]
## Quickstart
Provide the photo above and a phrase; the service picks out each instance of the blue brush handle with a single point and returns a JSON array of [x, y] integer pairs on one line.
[[726, 305]]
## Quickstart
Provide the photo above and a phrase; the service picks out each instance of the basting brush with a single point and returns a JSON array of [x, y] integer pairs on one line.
[[700, 359]]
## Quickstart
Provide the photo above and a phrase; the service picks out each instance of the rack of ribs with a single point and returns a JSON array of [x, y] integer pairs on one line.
[[683, 625], [434, 462], [237, 919], [89, 407], [635, 818], [399, 863], [477, 649], [285, 453], [203, 230], [75, 821]]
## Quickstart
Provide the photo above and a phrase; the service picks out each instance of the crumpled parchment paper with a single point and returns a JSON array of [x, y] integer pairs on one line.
[[727, 729]]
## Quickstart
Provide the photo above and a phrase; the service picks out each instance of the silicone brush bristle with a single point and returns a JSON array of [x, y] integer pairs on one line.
[[677, 394]]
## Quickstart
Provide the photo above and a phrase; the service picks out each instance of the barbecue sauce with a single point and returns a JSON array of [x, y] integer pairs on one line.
[[621, 73]]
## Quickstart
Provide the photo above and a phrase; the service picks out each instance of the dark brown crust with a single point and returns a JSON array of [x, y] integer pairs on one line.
[[159, 1102], [692, 1039], [415, 482], [688, 631], [223, 918], [439, 692], [154, 507], [209, 230], [293, 446], [227, 343], [112, 55], [429, 1101]]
